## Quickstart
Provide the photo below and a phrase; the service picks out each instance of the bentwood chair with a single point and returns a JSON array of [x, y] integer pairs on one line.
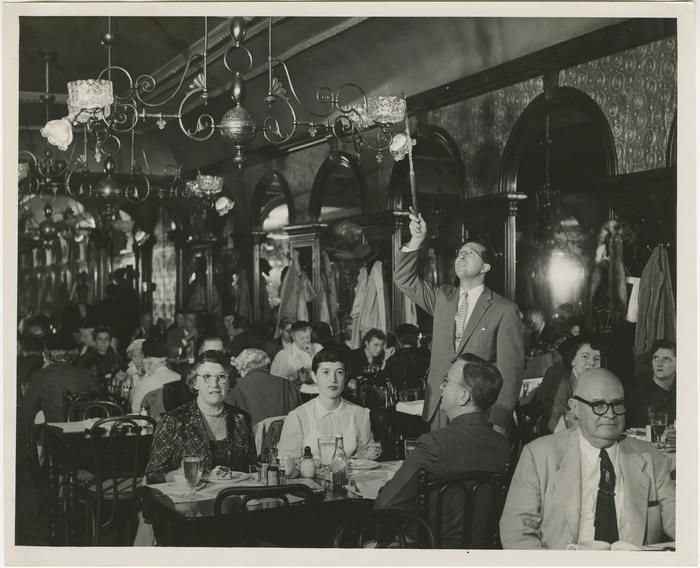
[[474, 499], [120, 448], [384, 529], [83, 409], [270, 502], [70, 398]]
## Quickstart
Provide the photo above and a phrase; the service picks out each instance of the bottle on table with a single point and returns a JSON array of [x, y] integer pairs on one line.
[[339, 463], [307, 466]]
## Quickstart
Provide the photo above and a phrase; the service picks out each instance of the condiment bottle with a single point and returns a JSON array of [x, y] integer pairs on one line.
[[339, 464], [307, 466]]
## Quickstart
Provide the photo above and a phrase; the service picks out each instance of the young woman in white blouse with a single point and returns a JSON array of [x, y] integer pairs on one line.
[[328, 414]]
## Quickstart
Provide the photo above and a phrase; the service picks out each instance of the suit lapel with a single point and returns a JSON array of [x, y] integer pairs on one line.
[[482, 304], [452, 306], [566, 482], [633, 518]]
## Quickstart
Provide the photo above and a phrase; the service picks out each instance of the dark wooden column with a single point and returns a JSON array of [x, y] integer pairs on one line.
[[144, 268], [258, 237]]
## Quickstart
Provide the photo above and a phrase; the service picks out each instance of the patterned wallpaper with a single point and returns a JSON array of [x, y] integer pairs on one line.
[[637, 91], [480, 126]]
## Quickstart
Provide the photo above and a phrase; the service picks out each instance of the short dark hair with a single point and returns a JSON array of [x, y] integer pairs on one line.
[[284, 320], [300, 325], [489, 256], [663, 344], [373, 333], [33, 338], [571, 346], [329, 355], [483, 379], [102, 329], [408, 334], [321, 332]]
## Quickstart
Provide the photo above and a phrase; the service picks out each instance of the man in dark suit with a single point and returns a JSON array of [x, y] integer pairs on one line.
[[468, 443], [466, 319], [259, 393], [46, 386]]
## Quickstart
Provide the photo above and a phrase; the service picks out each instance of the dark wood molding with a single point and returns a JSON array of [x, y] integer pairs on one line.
[[258, 201], [336, 159], [672, 144]]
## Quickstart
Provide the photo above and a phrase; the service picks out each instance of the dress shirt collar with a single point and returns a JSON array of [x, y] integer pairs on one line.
[[322, 411], [473, 293], [590, 453]]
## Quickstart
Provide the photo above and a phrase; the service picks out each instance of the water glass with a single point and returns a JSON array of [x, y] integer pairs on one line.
[[658, 422], [409, 445], [326, 449], [192, 466]]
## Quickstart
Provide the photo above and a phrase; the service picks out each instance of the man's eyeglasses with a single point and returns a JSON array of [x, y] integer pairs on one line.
[[213, 379], [467, 252], [600, 407], [445, 380]]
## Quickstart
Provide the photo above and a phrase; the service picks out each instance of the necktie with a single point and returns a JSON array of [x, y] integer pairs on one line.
[[461, 320], [605, 515]]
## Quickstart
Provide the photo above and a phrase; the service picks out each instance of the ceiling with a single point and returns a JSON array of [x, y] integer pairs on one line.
[[384, 55]]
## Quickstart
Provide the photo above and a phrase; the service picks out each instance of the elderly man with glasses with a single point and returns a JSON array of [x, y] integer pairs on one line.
[[590, 483], [469, 318]]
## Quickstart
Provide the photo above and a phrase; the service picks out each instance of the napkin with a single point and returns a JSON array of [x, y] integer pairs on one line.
[[414, 407]]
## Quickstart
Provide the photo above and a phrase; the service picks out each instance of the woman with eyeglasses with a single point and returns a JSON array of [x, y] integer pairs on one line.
[[221, 433]]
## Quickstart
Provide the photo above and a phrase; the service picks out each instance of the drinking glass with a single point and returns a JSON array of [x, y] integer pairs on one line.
[[409, 445], [192, 465], [326, 448], [658, 422]]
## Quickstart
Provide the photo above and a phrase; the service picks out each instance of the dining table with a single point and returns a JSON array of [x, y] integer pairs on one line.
[[69, 456], [179, 518]]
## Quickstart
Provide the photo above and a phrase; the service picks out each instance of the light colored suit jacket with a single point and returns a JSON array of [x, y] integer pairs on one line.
[[543, 507], [494, 332]]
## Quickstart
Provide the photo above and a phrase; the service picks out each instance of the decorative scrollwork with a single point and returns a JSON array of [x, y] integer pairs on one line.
[[147, 84], [271, 125], [135, 193], [205, 126]]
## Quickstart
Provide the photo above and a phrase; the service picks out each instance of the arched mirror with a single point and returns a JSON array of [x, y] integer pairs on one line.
[[559, 147], [272, 211], [338, 198]]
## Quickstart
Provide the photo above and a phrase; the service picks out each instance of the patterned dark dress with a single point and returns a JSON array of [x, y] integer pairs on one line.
[[182, 431]]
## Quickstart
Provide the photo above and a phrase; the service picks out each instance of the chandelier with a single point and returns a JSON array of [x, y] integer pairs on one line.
[[346, 114], [42, 174]]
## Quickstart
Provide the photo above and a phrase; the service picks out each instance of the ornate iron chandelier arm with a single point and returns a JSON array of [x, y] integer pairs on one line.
[[324, 95], [205, 122], [346, 128], [147, 84], [124, 118], [108, 70], [271, 126]]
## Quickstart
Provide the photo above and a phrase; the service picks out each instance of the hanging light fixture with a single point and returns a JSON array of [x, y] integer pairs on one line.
[[41, 174], [348, 113]]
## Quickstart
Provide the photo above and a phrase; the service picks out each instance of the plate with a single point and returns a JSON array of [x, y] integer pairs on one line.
[[236, 476], [357, 464]]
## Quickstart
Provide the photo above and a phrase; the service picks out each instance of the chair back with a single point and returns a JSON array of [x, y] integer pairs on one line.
[[384, 529], [483, 495], [121, 448], [84, 409], [409, 395], [72, 397], [530, 425], [280, 493]]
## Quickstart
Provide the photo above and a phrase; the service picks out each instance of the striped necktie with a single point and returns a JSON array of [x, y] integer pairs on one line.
[[461, 320]]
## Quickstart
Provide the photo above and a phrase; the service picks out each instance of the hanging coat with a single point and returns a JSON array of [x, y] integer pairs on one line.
[[656, 314], [245, 306], [373, 310], [360, 291], [328, 277], [296, 290]]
